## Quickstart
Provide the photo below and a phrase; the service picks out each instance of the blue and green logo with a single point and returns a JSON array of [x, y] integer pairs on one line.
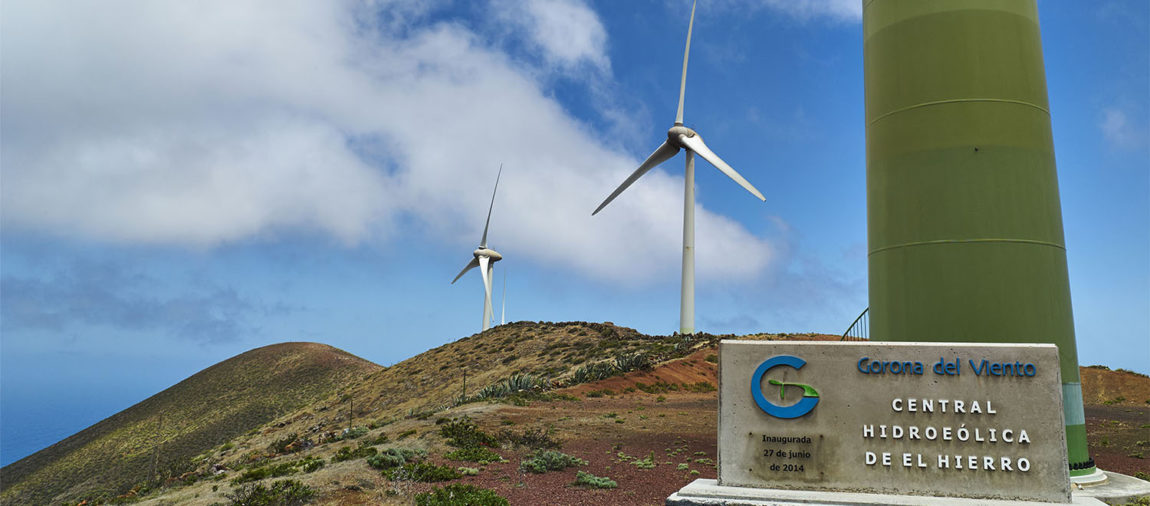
[[810, 396]]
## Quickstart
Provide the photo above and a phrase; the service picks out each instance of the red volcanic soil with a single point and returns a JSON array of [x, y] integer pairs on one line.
[[611, 431], [689, 370], [1117, 419], [676, 429]]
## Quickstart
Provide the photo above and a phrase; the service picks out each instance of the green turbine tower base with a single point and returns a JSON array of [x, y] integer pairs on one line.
[[963, 215]]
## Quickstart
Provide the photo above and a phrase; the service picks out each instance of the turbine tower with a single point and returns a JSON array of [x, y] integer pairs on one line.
[[681, 137], [485, 259]]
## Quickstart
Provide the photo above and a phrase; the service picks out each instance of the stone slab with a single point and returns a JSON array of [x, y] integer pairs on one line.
[[1117, 489], [854, 417], [704, 492]]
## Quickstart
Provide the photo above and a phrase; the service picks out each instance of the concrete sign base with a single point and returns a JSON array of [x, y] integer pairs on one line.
[[710, 493]]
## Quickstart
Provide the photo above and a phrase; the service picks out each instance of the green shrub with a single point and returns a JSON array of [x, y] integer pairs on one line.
[[351, 453], [467, 471], [531, 438], [311, 464], [712, 358], [379, 423], [701, 387], [280, 493], [352, 433], [1128, 371], [372, 441], [458, 494], [549, 460], [464, 433], [647, 463], [480, 454], [404, 434], [589, 480], [660, 387], [394, 457], [1116, 400], [268, 471], [385, 461], [422, 472]]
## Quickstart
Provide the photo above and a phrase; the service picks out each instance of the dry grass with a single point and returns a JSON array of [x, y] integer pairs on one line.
[[204, 411]]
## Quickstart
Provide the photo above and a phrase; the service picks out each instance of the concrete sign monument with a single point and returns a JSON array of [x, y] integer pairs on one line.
[[952, 420]]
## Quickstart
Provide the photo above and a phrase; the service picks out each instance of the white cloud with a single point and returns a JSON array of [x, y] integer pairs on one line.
[[1120, 132], [197, 124], [567, 33]]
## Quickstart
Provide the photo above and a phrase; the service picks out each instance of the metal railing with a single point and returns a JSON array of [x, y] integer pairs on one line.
[[859, 329]]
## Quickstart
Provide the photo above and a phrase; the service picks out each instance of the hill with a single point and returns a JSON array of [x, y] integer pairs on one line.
[[649, 430], [636, 409], [161, 435]]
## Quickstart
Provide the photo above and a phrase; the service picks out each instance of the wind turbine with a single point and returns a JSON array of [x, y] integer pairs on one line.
[[485, 259], [503, 305], [681, 137]]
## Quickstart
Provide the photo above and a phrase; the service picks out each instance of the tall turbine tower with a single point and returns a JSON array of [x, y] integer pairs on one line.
[[485, 259], [681, 137], [963, 217]]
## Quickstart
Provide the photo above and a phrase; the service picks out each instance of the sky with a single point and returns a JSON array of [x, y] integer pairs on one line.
[[184, 181]]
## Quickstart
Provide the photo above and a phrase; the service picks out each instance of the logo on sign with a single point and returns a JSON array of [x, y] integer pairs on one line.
[[810, 396]]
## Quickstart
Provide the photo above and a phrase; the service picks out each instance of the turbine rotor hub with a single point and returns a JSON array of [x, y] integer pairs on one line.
[[677, 130]]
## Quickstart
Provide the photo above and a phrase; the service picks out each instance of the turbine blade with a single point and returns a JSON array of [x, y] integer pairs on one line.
[[483, 242], [686, 52], [470, 265], [661, 154], [503, 305], [696, 144]]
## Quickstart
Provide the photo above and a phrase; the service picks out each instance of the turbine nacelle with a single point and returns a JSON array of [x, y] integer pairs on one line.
[[489, 253]]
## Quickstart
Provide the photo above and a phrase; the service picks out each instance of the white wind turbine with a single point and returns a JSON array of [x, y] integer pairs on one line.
[[485, 259], [681, 137]]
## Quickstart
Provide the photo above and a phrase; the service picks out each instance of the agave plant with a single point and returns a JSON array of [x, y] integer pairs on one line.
[[494, 391], [522, 382], [638, 361]]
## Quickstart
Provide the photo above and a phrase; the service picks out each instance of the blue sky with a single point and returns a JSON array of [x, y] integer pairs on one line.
[[182, 183]]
